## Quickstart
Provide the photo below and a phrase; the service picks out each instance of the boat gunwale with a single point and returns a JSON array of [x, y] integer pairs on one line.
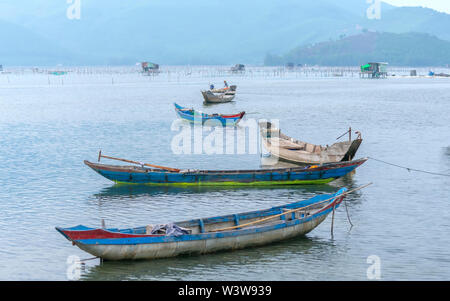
[[222, 98], [296, 141], [336, 200], [132, 168]]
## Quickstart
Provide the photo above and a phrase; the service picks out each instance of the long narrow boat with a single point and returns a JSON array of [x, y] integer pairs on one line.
[[201, 236], [210, 97], [199, 117], [281, 176], [299, 152]]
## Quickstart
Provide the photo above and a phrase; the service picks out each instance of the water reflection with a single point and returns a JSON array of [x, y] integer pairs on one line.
[[242, 198], [222, 265], [125, 191]]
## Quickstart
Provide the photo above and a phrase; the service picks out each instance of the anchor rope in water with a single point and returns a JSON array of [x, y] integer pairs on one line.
[[410, 169]]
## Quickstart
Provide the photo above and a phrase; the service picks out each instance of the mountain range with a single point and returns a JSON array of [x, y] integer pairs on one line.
[[115, 32], [404, 49]]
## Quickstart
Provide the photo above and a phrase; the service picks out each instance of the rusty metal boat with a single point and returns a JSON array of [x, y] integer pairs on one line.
[[299, 152]]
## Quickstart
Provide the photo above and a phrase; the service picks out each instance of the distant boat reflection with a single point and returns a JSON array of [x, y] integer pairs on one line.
[[124, 191]]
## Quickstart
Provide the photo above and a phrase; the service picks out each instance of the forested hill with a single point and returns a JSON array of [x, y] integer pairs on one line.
[[407, 49]]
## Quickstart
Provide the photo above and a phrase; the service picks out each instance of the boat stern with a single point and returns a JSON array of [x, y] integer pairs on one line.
[[351, 151]]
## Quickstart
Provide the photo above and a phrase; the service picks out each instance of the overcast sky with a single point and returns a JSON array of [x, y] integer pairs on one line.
[[440, 5]]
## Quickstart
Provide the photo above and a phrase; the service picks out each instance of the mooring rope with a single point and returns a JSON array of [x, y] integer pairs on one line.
[[348, 215], [411, 169], [87, 259]]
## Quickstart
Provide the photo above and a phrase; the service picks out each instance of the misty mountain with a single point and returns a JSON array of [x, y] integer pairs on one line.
[[406, 49], [192, 32]]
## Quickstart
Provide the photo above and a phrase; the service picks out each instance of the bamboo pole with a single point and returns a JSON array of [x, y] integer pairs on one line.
[[290, 211], [332, 220]]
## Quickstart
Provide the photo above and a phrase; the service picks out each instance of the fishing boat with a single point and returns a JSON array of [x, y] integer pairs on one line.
[[210, 97], [199, 117], [160, 175], [295, 151], [206, 235]]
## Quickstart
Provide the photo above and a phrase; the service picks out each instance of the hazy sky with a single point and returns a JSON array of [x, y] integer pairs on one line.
[[440, 5]]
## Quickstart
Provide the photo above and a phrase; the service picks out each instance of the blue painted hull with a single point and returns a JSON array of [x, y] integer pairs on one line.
[[285, 176], [208, 235], [210, 119]]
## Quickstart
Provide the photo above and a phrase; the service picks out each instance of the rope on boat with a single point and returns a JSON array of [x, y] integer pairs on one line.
[[292, 210], [411, 169], [348, 215]]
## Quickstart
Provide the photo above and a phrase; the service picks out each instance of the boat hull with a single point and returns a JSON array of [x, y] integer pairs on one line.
[[208, 119], [209, 97], [208, 235], [294, 151], [286, 176], [200, 246]]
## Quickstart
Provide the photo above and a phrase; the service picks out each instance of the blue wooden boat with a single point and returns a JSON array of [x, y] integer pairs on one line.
[[207, 235], [315, 174], [199, 117]]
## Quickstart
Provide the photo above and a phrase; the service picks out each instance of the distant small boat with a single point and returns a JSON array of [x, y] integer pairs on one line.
[[216, 98], [295, 151], [442, 75], [206, 235], [238, 68], [199, 117], [57, 72], [129, 174]]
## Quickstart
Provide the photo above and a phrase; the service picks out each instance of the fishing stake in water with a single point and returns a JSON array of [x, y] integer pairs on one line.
[[137, 163]]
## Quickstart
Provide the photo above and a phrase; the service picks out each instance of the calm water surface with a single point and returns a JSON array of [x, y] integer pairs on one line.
[[49, 125]]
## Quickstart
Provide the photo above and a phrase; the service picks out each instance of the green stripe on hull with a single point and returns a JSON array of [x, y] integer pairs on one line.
[[257, 183]]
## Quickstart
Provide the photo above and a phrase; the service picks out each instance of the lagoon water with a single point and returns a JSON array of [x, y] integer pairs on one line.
[[50, 124]]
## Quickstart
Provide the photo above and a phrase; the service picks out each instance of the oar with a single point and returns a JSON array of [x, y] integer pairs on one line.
[[137, 163], [290, 211]]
